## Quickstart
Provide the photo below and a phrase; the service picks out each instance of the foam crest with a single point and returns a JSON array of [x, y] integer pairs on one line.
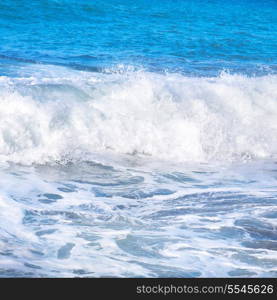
[[68, 115]]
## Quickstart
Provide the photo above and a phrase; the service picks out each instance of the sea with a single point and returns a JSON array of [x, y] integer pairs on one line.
[[138, 138]]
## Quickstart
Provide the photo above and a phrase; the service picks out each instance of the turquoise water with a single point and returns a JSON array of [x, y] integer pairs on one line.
[[138, 138]]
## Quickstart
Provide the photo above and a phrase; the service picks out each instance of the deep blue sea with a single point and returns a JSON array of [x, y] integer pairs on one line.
[[138, 138]]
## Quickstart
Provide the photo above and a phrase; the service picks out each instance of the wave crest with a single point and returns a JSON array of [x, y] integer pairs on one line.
[[73, 114]]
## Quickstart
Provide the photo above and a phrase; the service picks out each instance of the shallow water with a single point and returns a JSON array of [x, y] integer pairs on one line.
[[138, 139], [139, 219]]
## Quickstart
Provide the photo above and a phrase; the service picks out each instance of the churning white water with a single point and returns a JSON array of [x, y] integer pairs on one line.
[[69, 115], [135, 173]]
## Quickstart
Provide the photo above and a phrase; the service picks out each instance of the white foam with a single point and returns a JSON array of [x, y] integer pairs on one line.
[[57, 114]]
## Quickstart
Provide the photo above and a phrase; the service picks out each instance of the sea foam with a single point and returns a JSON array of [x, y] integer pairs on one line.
[[56, 114]]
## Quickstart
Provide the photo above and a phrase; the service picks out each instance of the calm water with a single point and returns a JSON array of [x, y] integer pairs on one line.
[[138, 139]]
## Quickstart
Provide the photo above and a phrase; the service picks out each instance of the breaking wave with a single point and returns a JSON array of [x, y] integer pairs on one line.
[[56, 114]]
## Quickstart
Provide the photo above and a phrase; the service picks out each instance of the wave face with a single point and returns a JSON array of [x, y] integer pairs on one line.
[[59, 115]]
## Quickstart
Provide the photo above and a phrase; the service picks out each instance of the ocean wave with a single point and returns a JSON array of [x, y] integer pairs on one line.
[[55, 114]]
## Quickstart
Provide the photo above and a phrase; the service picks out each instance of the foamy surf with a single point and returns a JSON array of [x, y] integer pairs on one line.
[[58, 115], [162, 220]]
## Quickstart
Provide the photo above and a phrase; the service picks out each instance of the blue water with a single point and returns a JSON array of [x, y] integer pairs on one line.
[[195, 37], [138, 138]]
